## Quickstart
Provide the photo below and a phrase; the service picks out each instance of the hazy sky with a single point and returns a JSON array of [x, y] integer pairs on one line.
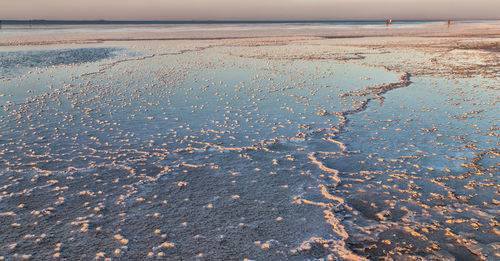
[[248, 9]]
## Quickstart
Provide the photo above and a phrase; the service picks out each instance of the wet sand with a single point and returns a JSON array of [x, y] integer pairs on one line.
[[352, 143]]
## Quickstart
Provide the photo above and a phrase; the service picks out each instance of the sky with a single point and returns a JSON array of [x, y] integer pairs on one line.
[[248, 9]]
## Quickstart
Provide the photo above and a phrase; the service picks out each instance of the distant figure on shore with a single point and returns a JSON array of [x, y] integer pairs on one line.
[[0, 24], [387, 22], [449, 22], [390, 21]]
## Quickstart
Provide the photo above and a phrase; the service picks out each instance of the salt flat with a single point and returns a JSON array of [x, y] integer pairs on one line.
[[231, 142]]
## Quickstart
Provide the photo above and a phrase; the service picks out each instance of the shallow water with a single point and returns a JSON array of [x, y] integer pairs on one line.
[[193, 149], [431, 152], [15, 63]]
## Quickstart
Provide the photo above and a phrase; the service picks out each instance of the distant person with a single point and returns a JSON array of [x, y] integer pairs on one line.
[[390, 21], [0, 24], [449, 22]]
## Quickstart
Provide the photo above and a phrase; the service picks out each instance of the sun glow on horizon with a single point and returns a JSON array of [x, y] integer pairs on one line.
[[248, 10]]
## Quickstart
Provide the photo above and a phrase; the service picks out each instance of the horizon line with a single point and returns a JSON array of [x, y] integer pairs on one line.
[[246, 20], [238, 21]]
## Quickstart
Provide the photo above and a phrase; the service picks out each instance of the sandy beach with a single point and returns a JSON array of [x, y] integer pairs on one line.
[[250, 142]]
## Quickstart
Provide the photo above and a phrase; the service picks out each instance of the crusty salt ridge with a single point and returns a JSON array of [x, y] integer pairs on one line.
[[118, 160]]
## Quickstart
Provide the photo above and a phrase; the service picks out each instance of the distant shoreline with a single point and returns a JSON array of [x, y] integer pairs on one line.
[[98, 31], [167, 22]]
